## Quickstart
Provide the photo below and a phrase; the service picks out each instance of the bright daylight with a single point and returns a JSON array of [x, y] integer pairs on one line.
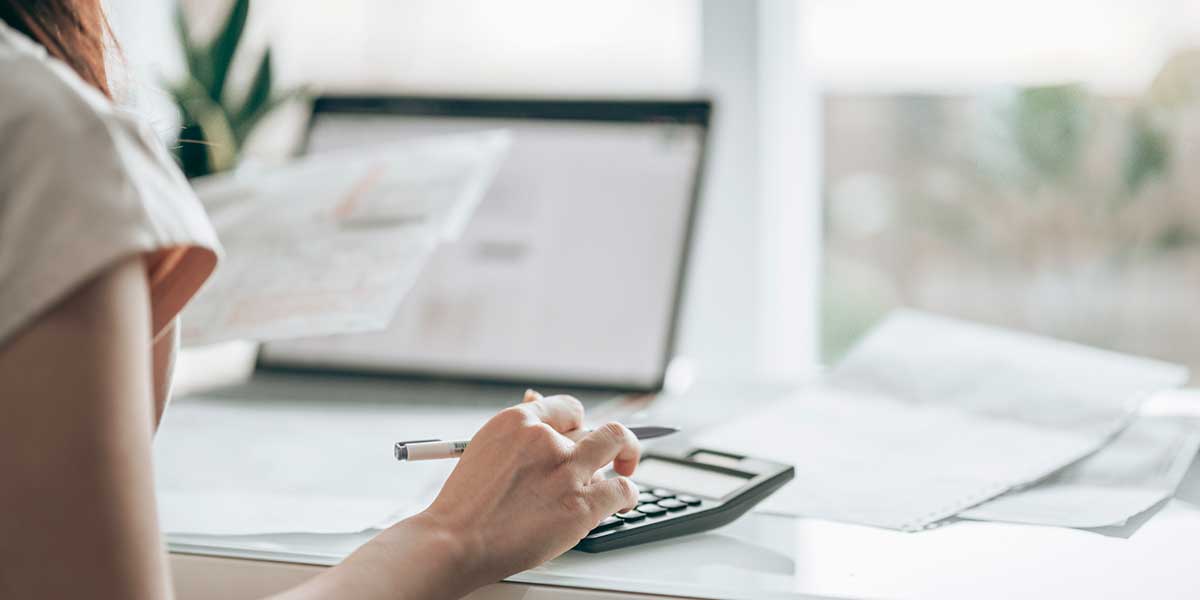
[[582, 300]]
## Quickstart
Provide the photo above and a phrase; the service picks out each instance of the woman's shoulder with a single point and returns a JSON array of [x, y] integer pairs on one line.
[[69, 130], [90, 183], [42, 96]]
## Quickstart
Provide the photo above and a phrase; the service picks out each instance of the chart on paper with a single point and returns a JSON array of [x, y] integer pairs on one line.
[[332, 243]]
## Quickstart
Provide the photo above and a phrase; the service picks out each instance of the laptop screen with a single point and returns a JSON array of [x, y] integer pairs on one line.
[[570, 269]]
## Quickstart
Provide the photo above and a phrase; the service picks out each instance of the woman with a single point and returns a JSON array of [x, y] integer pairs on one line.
[[101, 245]]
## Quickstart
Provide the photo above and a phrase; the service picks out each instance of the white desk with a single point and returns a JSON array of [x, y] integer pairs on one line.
[[765, 556], [769, 556]]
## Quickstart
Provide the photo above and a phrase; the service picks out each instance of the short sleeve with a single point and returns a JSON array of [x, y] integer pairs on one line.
[[84, 185]]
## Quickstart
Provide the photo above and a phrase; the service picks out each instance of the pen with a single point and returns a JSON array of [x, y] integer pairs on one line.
[[435, 449]]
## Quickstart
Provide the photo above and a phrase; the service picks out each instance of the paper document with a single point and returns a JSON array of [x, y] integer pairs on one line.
[[330, 244], [239, 466], [248, 513], [929, 416], [1141, 467]]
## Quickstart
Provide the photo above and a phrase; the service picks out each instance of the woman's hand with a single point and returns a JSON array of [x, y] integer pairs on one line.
[[522, 493]]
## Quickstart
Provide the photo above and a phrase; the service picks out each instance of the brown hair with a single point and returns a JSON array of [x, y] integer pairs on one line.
[[73, 31]]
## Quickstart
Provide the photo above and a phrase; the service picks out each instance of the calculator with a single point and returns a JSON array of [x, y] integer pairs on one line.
[[687, 490]]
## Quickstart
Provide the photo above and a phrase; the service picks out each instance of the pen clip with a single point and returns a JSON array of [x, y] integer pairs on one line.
[[414, 442]]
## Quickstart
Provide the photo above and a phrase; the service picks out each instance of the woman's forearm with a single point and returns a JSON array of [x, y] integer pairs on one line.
[[163, 354], [77, 511], [417, 558]]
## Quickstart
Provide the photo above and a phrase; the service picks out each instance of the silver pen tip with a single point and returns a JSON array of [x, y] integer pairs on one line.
[[652, 431]]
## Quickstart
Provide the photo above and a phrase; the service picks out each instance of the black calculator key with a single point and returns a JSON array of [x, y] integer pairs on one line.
[[607, 524], [672, 512], [672, 504], [652, 510]]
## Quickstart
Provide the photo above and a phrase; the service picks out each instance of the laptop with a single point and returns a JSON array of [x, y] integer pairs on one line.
[[567, 279]]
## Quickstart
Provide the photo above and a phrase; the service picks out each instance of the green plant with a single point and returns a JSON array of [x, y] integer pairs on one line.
[[1092, 166], [215, 128], [1052, 126]]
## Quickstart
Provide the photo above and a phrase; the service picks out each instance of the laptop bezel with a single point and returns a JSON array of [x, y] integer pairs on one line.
[[695, 111]]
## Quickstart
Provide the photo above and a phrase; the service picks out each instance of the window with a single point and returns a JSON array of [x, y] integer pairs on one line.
[[1027, 164], [1015, 162]]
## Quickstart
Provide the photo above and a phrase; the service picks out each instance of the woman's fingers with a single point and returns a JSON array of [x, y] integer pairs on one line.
[[613, 443], [612, 496], [576, 435], [563, 413]]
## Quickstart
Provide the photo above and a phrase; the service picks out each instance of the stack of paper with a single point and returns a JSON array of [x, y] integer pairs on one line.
[[1141, 467], [928, 417], [330, 244]]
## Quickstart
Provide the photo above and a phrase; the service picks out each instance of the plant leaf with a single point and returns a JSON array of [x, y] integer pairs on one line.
[[224, 46], [260, 90], [245, 125], [192, 151], [190, 96], [197, 58], [222, 146], [182, 29], [201, 113]]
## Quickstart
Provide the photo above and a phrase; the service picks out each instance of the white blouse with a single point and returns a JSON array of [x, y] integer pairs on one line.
[[84, 185]]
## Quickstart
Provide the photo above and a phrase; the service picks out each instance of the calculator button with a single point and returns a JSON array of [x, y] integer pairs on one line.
[[647, 497], [607, 524], [652, 510], [642, 489], [672, 504], [632, 516], [661, 493], [689, 500]]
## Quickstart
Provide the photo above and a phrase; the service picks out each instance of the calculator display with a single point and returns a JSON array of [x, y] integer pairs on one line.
[[682, 478]]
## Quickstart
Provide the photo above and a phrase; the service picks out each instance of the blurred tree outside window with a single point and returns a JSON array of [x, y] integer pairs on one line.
[[1043, 175], [1047, 208]]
